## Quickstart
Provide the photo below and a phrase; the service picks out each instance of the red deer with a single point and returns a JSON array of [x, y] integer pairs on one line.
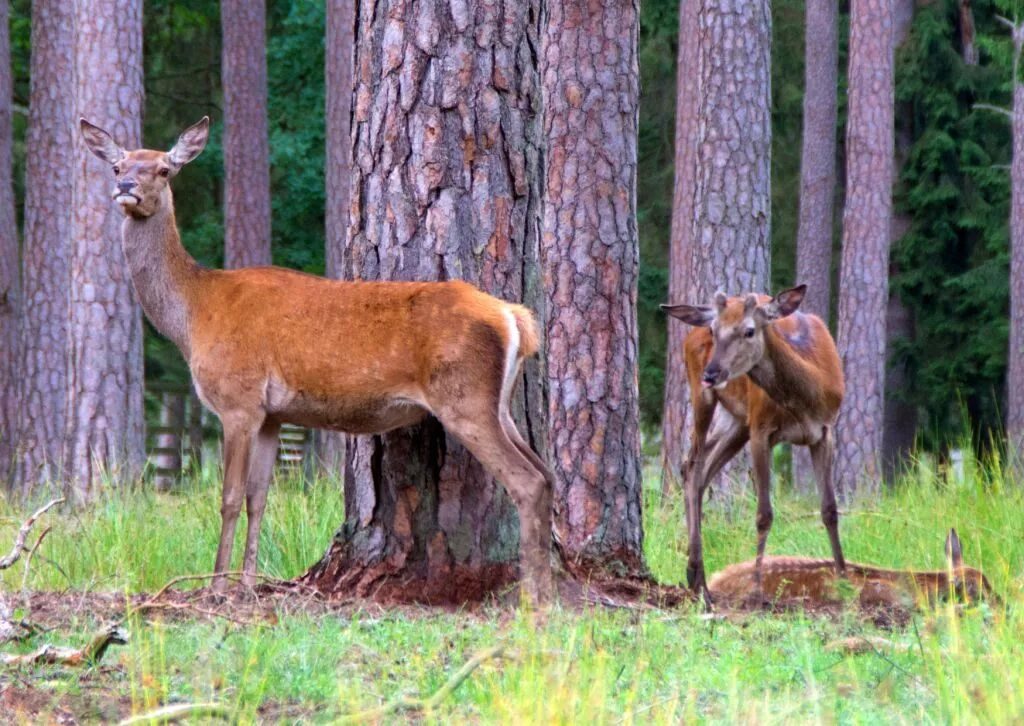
[[813, 582], [266, 345], [774, 376]]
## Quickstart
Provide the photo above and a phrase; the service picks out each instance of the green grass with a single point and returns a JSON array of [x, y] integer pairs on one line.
[[594, 667]]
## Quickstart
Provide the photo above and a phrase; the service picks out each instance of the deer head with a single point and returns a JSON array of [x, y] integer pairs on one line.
[[141, 176], [738, 327]]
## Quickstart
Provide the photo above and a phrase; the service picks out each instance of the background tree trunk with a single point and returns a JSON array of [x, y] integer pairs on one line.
[[105, 420], [246, 146], [330, 446], [864, 284], [674, 417], [444, 186], [589, 254], [732, 206], [46, 247], [817, 180], [10, 275], [1015, 373]]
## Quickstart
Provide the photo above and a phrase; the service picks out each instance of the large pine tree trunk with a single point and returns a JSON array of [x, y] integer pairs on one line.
[[589, 254], [1015, 373], [46, 247], [330, 446], [10, 275], [246, 145], [674, 430], [444, 186], [817, 178], [104, 409], [864, 283]]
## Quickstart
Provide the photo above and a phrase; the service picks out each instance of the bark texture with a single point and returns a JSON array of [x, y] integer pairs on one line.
[[864, 283], [46, 247], [674, 430], [444, 186], [246, 145], [1015, 374], [330, 446], [10, 275], [589, 255], [104, 410]]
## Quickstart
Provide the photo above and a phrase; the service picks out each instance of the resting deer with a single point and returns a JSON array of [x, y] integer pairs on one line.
[[776, 375], [814, 582], [267, 345]]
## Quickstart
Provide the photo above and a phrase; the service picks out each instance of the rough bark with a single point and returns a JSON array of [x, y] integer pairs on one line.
[[246, 144], [10, 276], [1015, 373], [674, 430], [46, 247], [864, 283], [444, 186], [817, 179], [589, 255], [329, 446], [104, 423]]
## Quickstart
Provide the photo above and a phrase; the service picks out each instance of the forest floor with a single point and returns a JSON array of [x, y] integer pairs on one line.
[[293, 658]]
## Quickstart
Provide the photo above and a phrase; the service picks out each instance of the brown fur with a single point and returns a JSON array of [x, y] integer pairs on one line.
[[268, 345]]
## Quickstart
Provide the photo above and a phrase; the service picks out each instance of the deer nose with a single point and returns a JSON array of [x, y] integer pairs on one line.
[[125, 185], [711, 374]]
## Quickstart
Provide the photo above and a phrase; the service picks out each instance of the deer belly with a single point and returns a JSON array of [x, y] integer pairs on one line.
[[354, 415]]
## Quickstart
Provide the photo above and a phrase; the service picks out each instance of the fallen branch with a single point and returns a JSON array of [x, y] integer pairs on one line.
[[19, 541], [92, 653], [179, 710], [405, 703]]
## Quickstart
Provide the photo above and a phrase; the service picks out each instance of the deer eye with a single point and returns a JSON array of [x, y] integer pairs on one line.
[[165, 171], [117, 170], [748, 333]]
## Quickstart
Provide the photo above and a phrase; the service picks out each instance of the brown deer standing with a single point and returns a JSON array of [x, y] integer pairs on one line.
[[776, 374], [813, 582], [267, 345]]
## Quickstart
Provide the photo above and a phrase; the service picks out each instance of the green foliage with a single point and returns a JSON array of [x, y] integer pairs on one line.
[[952, 267], [599, 665]]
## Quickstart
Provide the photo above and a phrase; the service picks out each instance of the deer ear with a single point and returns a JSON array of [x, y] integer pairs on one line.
[[698, 315], [954, 552], [783, 304], [100, 143], [720, 300], [190, 143]]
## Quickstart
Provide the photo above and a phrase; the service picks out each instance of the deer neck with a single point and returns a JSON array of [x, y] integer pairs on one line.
[[785, 376], [163, 272]]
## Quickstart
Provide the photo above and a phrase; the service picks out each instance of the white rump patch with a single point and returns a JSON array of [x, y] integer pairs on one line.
[[511, 361]]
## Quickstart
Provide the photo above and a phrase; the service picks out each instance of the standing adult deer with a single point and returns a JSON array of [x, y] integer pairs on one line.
[[266, 345], [776, 375]]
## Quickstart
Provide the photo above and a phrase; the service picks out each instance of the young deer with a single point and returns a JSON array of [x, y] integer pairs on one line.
[[267, 345], [776, 374], [814, 582]]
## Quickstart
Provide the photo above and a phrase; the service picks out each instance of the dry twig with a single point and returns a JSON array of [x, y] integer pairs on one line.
[[180, 710], [19, 541], [92, 652]]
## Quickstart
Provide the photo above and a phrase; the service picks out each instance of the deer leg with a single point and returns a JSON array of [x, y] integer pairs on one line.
[[483, 434], [261, 471], [724, 448], [695, 484], [540, 465], [238, 435], [760, 452], [821, 457]]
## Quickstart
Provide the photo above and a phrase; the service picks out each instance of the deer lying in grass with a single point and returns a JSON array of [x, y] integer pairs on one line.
[[814, 582], [267, 345], [773, 375]]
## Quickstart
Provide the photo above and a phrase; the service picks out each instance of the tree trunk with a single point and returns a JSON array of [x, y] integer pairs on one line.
[[46, 248], [674, 429], [1015, 373], [864, 284], [10, 275], [105, 436], [589, 255], [329, 446], [444, 186], [732, 205], [246, 146], [817, 179]]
